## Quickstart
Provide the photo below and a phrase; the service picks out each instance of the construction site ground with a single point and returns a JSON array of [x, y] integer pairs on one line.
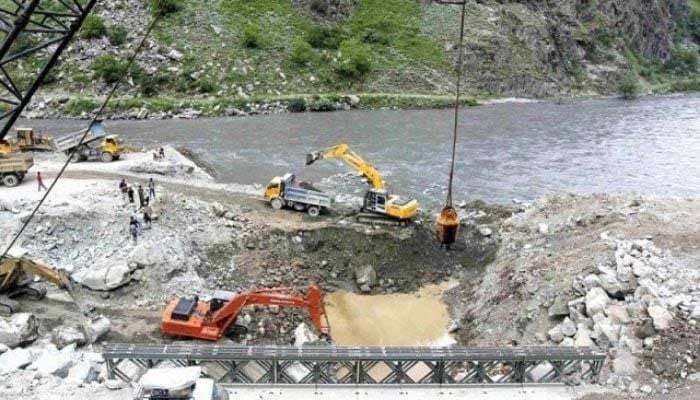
[[496, 287]]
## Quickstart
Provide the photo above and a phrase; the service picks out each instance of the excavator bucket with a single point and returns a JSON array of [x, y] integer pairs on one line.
[[447, 224], [312, 157]]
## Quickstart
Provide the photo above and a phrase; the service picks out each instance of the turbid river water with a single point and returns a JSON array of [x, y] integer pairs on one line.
[[514, 150]]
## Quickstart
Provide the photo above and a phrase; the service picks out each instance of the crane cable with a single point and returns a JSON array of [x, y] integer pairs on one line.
[[456, 122], [99, 112]]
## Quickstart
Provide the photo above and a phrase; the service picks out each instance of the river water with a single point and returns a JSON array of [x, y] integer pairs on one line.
[[649, 146]]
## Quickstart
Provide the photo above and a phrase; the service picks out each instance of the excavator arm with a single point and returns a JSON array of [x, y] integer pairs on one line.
[[12, 269], [283, 297], [343, 152]]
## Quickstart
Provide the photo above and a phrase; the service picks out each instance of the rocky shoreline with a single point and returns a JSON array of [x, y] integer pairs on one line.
[[618, 273]]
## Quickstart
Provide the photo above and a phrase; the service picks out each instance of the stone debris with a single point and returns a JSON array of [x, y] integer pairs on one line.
[[303, 335], [63, 336], [366, 277], [14, 359], [18, 329], [96, 329]]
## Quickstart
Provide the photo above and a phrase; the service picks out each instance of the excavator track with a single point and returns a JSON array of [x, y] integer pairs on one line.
[[8, 306], [378, 219]]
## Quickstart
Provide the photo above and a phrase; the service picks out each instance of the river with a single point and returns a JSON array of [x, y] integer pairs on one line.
[[649, 146]]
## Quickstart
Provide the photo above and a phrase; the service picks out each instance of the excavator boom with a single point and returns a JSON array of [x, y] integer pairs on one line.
[[343, 152], [12, 269]]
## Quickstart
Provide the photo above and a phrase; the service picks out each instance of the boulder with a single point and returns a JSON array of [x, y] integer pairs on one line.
[[555, 334], [543, 228], [591, 281], [365, 276], [62, 336], [559, 308], [618, 314], [82, 372], [615, 287], [661, 317], [583, 338], [567, 327], [625, 363], [104, 276], [15, 359], [18, 329], [303, 334], [596, 301], [96, 328], [53, 363], [606, 332], [146, 255]]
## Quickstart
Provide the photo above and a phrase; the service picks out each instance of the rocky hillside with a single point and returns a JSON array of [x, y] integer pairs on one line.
[[219, 54]]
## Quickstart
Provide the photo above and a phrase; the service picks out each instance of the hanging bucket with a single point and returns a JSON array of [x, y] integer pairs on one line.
[[447, 224]]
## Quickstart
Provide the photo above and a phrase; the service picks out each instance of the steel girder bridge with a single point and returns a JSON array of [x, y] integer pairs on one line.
[[284, 365]]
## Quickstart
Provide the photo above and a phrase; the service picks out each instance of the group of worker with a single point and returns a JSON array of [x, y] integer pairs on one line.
[[145, 199]]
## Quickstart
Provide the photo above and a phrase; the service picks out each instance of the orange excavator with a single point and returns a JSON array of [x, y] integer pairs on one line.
[[211, 320]]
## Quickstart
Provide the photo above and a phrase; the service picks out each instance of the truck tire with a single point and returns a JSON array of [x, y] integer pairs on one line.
[[107, 157], [10, 180], [77, 157], [277, 203], [314, 211]]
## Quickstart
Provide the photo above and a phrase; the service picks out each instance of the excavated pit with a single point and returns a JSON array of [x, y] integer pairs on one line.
[[412, 274]]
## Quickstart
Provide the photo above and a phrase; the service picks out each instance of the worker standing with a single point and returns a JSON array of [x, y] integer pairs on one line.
[[130, 193], [124, 188], [147, 212], [142, 195], [40, 181], [151, 189], [134, 229], [161, 152]]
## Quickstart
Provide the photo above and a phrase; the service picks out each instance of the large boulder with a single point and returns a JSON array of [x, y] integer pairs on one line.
[[54, 363], [96, 329], [104, 276], [14, 359], [567, 327], [583, 337], [82, 372], [18, 329], [615, 287], [661, 317], [596, 301], [146, 255], [625, 363], [62, 336]]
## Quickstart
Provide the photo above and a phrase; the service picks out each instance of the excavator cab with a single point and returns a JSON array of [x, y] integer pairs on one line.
[[376, 201]]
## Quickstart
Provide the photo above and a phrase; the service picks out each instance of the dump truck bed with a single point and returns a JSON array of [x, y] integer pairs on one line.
[[71, 140], [19, 162], [311, 197]]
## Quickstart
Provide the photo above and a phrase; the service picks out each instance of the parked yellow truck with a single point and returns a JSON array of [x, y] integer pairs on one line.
[[14, 167]]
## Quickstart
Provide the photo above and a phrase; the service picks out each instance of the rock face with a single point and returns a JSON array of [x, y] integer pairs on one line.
[[18, 329]]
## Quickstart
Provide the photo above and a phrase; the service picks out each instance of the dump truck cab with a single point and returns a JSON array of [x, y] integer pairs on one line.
[[178, 384], [5, 148]]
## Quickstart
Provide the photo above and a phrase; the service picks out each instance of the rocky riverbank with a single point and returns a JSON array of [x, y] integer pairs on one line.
[[618, 273]]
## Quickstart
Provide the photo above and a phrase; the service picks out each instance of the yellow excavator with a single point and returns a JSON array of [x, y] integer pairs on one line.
[[17, 277], [378, 203]]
